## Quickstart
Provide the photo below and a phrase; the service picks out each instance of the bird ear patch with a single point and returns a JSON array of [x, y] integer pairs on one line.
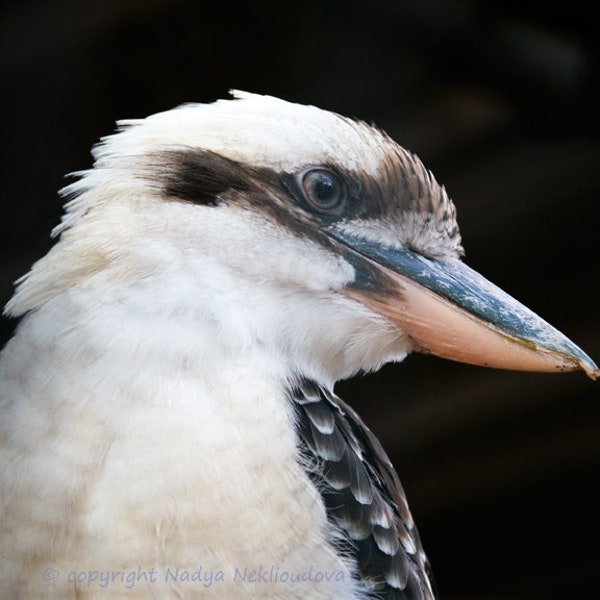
[[198, 176]]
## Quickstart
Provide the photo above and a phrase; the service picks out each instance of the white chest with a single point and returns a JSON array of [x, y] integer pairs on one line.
[[153, 478]]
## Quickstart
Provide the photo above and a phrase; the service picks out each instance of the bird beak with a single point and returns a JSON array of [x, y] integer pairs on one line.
[[450, 310]]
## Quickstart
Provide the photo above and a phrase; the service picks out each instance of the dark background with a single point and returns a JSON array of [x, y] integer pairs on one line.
[[501, 468]]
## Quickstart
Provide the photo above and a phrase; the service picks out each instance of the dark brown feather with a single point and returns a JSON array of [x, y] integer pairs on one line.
[[362, 495]]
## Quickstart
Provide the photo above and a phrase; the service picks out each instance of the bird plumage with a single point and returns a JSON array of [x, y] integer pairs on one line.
[[362, 494], [167, 399]]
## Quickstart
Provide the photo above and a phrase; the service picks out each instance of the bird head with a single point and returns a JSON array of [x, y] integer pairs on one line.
[[293, 229]]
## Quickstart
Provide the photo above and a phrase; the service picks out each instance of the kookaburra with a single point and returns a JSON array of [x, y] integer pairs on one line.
[[168, 422]]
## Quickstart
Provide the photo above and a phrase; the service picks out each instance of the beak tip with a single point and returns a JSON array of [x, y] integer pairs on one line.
[[582, 362], [574, 359], [591, 370]]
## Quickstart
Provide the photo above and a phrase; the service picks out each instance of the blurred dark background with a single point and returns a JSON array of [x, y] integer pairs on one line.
[[498, 99]]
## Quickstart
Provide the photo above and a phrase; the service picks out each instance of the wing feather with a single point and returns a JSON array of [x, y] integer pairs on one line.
[[362, 495]]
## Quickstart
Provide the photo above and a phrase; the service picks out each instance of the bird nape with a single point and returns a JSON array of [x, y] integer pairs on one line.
[[169, 427]]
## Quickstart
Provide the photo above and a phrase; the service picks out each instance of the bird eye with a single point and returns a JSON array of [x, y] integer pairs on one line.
[[323, 190]]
